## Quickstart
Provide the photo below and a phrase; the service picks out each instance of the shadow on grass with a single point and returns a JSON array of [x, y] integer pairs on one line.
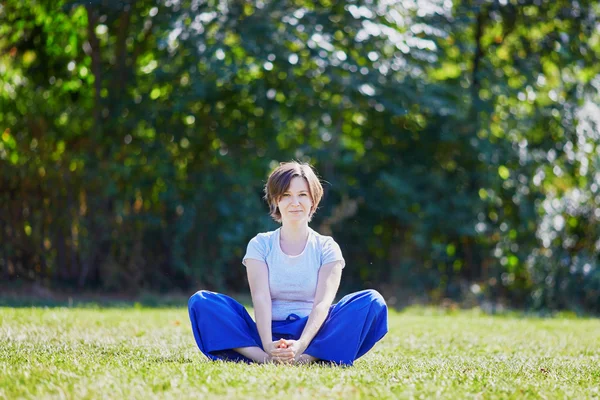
[[43, 298], [89, 303], [47, 299]]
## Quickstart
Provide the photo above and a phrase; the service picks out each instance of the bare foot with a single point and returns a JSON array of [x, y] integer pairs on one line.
[[305, 359]]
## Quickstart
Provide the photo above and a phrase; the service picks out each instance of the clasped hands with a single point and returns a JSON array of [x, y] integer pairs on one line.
[[285, 351]]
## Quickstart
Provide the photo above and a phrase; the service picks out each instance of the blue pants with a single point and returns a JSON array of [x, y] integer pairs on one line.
[[352, 327]]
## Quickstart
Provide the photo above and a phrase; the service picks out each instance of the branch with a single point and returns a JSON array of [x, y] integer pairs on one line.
[[120, 77], [478, 52]]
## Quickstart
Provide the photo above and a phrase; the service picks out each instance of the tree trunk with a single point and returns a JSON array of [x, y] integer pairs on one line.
[[96, 60]]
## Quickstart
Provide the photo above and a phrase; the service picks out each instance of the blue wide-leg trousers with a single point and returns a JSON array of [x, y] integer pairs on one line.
[[352, 327]]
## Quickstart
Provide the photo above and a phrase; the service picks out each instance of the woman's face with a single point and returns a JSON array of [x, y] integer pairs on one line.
[[295, 204]]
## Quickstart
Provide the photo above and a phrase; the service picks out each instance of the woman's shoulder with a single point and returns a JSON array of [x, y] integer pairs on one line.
[[322, 240], [328, 249], [264, 237]]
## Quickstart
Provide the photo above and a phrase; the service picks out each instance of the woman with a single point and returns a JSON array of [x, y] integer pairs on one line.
[[294, 274]]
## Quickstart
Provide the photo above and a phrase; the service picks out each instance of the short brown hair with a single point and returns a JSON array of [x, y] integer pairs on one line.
[[279, 182]]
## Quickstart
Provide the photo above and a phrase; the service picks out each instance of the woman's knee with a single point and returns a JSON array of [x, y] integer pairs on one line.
[[198, 299], [375, 298]]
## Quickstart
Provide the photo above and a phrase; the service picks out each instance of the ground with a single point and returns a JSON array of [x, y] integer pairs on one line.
[[135, 352]]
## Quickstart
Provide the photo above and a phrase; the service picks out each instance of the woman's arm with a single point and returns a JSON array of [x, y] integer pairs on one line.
[[258, 278], [329, 281]]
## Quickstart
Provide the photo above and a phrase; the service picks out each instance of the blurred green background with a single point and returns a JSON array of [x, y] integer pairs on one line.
[[459, 142]]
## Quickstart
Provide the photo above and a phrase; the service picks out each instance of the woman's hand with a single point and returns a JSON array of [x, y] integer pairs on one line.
[[279, 352], [296, 348]]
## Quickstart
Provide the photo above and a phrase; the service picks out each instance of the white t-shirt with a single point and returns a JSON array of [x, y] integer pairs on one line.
[[293, 279]]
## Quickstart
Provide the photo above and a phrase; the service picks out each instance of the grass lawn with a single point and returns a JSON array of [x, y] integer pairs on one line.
[[147, 353]]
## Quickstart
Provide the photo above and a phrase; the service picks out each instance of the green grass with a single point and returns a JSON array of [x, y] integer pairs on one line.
[[147, 353]]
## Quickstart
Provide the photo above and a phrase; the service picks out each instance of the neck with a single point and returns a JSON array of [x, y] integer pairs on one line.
[[294, 233]]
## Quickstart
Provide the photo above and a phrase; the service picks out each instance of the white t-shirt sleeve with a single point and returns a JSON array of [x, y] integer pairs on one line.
[[331, 252], [256, 250]]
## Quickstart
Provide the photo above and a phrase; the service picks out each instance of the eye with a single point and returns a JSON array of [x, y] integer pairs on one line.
[[304, 194], [286, 195]]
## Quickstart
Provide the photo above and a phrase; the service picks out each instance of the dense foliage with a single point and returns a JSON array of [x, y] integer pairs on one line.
[[459, 141]]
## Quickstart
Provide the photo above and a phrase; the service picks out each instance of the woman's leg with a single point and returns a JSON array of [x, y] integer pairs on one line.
[[220, 324], [354, 325], [256, 354]]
